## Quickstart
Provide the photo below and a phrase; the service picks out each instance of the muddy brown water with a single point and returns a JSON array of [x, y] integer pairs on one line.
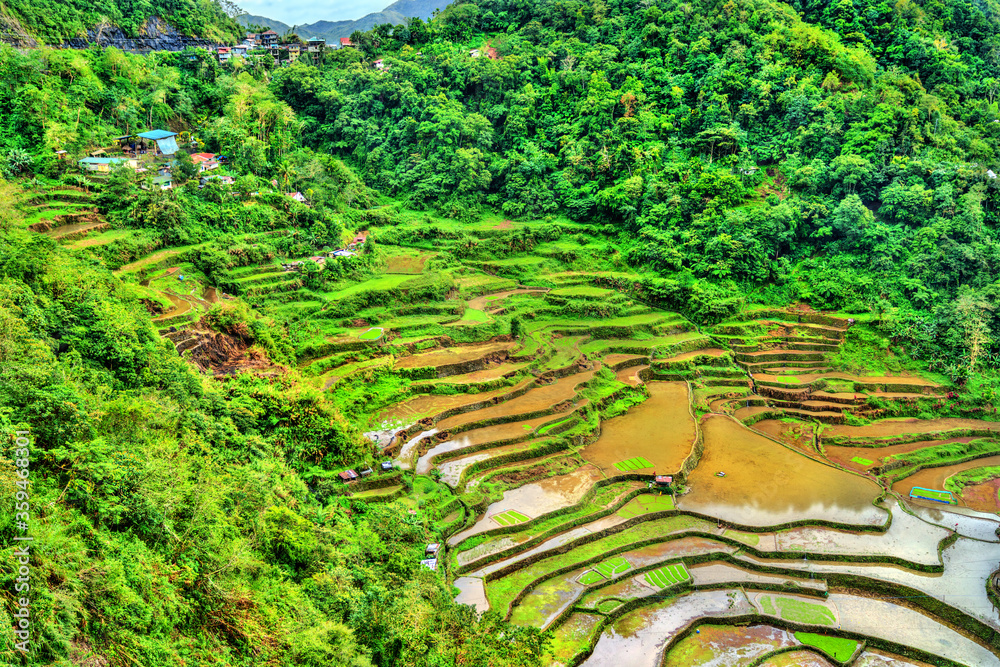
[[534, 400], [844, 455], [766, 483], [801, 658], [799, 435], [891, 427], [181, 306], [63, 230], [484, 375], [630, 376], [479, 436], [804, 378], [660, 429], [726, 645], [495, 299], [428, 404], [933, 478], [612, 360], [452, 355], [694, 354]]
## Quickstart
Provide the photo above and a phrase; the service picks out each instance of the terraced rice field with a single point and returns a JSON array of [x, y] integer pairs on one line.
[[510, 518], [531, 456], [667, 576], [654, 436]]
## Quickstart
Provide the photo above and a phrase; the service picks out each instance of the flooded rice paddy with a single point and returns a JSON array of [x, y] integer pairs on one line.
[[873, 658], [895, 623], [500, 434], [432, 404], [471, 592], [538, 498], [768, 484], [855, 457], [639, 638], [934, 478], [801, 658], [659, 429], [537, 399], [453, 355], [896, 427], [727, 646]]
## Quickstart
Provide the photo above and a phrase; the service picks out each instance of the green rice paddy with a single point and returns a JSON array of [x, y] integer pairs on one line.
[[548, 427], [581, 291], [838, 648], [609, 605], [645, 504], [371, 334], [861, 461], [636, 463], [385, 282], [797, 611], [510, 518], [591, 577], [666, 576], [932, 494], [613, 566], [473, 315]]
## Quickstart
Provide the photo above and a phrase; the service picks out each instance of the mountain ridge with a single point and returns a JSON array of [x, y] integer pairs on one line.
[[394, 14]]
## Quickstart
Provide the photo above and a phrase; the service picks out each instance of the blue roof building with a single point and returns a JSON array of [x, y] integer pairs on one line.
[[165, 141]]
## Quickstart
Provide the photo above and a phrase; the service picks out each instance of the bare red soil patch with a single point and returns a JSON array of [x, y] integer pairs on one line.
[[983, 497]]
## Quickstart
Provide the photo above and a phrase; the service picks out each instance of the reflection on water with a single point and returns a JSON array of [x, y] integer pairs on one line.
[[767, 484], [659, 429], [637, 639]]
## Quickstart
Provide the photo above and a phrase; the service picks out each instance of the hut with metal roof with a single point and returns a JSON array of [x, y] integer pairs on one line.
[[165, 141]]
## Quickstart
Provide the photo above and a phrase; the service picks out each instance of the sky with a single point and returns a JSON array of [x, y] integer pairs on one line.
[[297, 12]]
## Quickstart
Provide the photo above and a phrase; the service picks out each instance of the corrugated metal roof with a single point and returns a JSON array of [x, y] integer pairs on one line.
[[104, 160], [157, 134]]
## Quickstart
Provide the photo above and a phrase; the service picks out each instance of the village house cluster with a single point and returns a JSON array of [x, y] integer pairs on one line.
[[350, 250], [270, 44], [154, 152]]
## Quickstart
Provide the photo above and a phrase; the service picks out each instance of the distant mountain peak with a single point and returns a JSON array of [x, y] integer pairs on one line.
[[395, 13]]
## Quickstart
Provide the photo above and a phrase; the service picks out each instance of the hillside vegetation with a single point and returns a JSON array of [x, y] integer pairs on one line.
[[54, 22], [840, 160], [608, 193]]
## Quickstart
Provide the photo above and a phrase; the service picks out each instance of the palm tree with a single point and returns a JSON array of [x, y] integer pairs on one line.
[[286, 173]]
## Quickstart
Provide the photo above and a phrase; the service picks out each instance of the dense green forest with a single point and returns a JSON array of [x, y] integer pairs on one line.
[[173, 525], [732, 152], [56, 22], [841, 157]]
